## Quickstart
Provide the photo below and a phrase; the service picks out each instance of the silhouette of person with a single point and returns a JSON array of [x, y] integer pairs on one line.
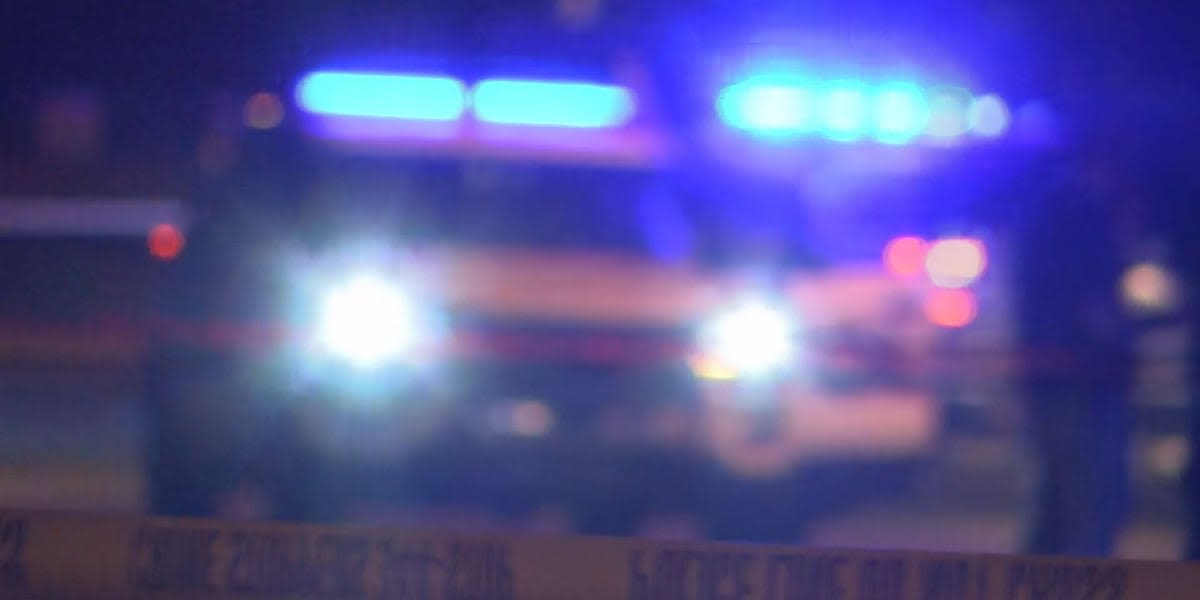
[[1076, 344]]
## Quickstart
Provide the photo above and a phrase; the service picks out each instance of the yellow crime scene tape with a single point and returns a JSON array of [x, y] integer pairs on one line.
[[50, 556]]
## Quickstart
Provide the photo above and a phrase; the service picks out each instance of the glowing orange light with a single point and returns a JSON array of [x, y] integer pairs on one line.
[[165, 241], [951, 308], [904, 256], [711, 369], [263, 110], [1149, 287]]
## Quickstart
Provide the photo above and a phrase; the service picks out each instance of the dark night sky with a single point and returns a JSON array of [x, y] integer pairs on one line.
[[234, 41]]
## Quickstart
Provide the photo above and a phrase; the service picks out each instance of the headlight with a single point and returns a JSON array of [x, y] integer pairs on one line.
[[750, 339], [369, 321]]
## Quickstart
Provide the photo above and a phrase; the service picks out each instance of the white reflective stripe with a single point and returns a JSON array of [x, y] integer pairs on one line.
[[104, 216]]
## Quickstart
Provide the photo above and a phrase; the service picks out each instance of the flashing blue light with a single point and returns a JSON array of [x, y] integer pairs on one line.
[[988, 116], [788, 106], [767, 106], [903, 113], [379, 95], [552, 104], [948, 113], [845, 111]]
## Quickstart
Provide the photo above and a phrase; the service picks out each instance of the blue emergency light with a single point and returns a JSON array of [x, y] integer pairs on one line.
[[380, 95], [895, 112], [902, 112], [845, 108], [551, 103], [771, 106]]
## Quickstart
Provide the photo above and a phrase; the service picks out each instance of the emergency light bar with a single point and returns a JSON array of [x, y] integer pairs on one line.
[[384, 96], [562, 121], [550, 103], [897, 112], [782, 107], [436, 98]]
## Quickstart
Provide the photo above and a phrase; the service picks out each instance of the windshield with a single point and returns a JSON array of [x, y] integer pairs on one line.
[[634, 213]]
